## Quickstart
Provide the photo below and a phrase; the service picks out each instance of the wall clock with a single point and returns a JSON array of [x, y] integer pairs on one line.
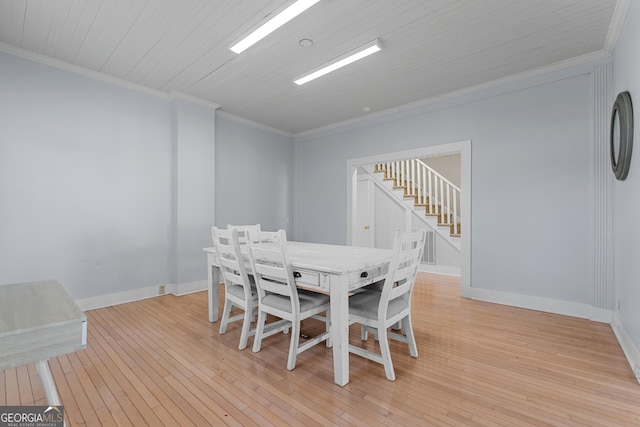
[[621, 135]]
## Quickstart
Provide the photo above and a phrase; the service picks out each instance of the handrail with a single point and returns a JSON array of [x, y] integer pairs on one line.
[[436, 173], [429, 188]]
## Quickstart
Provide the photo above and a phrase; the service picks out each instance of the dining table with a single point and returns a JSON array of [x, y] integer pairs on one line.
[[337, 270]]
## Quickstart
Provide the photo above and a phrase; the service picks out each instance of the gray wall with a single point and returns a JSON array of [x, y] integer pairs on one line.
[[193, 188], [626, 194], [531, 151], [254, 175], [110, 190], [103, 188], [85, 179]]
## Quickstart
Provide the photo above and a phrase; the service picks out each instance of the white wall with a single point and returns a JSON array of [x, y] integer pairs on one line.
[[531, 151], [626, 194], [254, 175], [85, 180]]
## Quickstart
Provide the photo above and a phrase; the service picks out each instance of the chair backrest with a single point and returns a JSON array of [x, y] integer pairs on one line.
[[272, 273], [259, 236], [243, 230], [232, 265], [403, 267]]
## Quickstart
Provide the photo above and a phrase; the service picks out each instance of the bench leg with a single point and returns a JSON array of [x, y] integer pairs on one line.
[[48, 384]]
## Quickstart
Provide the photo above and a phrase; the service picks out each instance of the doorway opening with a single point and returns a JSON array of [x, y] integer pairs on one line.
[[358, 192]]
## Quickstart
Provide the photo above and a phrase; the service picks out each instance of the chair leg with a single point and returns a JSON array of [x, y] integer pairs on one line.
[[364, 332], [386, 353], [246, 324], [411, 340], [257, 340], [226, 312], [328, 328], [293, 346]]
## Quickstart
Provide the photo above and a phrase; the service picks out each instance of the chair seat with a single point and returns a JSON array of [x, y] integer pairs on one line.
[[365, 304], [308, 301], [238, 291], [376, 287]]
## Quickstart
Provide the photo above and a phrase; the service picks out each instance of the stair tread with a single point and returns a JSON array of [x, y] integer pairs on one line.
[[437, 208]]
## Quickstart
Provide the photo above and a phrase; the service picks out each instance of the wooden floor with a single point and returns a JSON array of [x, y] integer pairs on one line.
[[160, 362]]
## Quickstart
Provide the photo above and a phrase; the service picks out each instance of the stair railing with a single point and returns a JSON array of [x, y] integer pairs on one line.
[[429, 188]]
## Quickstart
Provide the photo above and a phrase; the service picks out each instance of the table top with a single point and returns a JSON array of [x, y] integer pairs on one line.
[[332, 259], [336, 259], [31, 306]]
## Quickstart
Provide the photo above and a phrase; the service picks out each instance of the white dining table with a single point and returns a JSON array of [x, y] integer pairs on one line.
[[334, 269]]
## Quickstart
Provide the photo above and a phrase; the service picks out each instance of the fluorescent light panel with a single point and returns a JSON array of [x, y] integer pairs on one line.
[[273, 24], [346, 59]]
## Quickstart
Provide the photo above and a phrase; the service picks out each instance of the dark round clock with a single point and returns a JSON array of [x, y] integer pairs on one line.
[[621, 135]]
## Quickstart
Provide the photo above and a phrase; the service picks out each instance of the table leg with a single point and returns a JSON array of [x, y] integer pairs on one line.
[[340, 331], [48, 384], [213, 288]]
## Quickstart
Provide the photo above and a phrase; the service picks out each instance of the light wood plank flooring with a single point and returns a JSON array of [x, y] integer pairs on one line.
[[160, 362]]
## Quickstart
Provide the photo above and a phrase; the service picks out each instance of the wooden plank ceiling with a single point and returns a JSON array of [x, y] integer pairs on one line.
[[431, 47]]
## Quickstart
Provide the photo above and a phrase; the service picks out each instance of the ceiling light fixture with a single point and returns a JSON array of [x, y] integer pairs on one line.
[[346, 59], [305, 43], [273, 24]]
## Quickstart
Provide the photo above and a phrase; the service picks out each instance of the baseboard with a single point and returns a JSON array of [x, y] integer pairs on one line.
[[191, 287], [447, 270], [548, 305], [123, 297], [139, 294], [629, 349], [601, 315]]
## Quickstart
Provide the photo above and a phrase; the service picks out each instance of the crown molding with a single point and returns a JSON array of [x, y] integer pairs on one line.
[[617, 22], [252, 123], [193, 99], [96, 75], [587, 60], [65, 66]]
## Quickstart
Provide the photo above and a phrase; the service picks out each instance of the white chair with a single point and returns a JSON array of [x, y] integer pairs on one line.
[[243, 230], [239, 290], [381, 310], [279, 296], [243, 235]]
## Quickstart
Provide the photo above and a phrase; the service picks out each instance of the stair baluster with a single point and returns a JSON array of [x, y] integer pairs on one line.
[[428, 188]]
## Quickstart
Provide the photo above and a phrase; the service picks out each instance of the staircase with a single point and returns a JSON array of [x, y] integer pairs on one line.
[[439, 197]]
